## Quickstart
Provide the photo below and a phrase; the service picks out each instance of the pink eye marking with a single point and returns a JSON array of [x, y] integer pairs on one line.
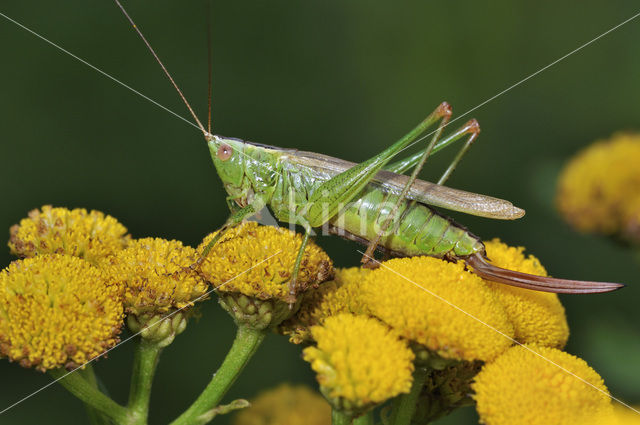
[[224, 152]]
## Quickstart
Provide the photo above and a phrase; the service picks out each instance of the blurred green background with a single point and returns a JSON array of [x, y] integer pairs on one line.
[[345, 78]]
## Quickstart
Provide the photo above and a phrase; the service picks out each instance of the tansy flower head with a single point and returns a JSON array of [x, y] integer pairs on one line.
[[157, 279], [439, 305], [156, 275], [598, 189], [89, 235], [341, 295], [522, 387], [537, 317], [286, 405], [251, 267], [238, 261], [359, 362], [57, 311]]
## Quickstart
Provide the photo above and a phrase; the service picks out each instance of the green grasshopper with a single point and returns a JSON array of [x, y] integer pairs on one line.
[[371, 202]]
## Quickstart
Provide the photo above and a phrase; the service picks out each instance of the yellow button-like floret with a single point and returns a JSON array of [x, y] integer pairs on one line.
[[537, 317], [286, 405], [439, 305], [521, 387], [359, 361], [341, 295], [57, 311], [598, 189], [89, 235], [257, 261], [156, 275]]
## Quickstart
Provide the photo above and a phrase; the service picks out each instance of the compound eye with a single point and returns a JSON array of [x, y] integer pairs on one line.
[[224, 152]]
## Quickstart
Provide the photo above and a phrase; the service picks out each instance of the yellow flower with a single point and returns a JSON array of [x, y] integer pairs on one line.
[[250, 268], [89, 235], [598, 189], [286, 405], [537, 317], [521, 387], [341, 295], [156, 276], [57, 311], [359, 362], [438, 304], [237, 262]]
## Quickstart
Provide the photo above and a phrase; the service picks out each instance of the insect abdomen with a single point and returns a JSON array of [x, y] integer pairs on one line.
[[416, 230]]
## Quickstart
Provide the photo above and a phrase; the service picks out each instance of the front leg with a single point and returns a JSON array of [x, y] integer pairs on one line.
[[234, 219], [291, 299]]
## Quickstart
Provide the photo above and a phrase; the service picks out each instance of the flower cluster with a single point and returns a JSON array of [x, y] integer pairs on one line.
[[64, 303], [598, 189], [81, 277], [452, 320], [423, 332]]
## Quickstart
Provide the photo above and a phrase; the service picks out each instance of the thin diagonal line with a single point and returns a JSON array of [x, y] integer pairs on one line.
[[407, 147], [133, 336], [422, 138], [97, 69], [544, 68], [109, 76], [498, 331]]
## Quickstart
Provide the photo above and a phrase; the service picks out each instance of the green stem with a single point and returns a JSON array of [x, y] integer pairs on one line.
[[95, 417], [79, 387], [366, 419], [405, 406], [144, 367], [244, 347], [339, 418]]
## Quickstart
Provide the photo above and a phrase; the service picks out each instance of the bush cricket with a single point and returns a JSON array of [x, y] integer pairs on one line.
[[371, 202]]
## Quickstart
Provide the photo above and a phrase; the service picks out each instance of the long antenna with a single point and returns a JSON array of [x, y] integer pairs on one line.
[[209, 57], [153, 52]]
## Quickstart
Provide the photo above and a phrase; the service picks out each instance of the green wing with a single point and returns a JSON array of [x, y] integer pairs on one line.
[[421, 191]]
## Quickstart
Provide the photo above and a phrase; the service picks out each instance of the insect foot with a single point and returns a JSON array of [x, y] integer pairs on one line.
[[369, 263]]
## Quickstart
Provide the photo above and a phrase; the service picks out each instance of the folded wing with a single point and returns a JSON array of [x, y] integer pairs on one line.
[[421, 191]]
